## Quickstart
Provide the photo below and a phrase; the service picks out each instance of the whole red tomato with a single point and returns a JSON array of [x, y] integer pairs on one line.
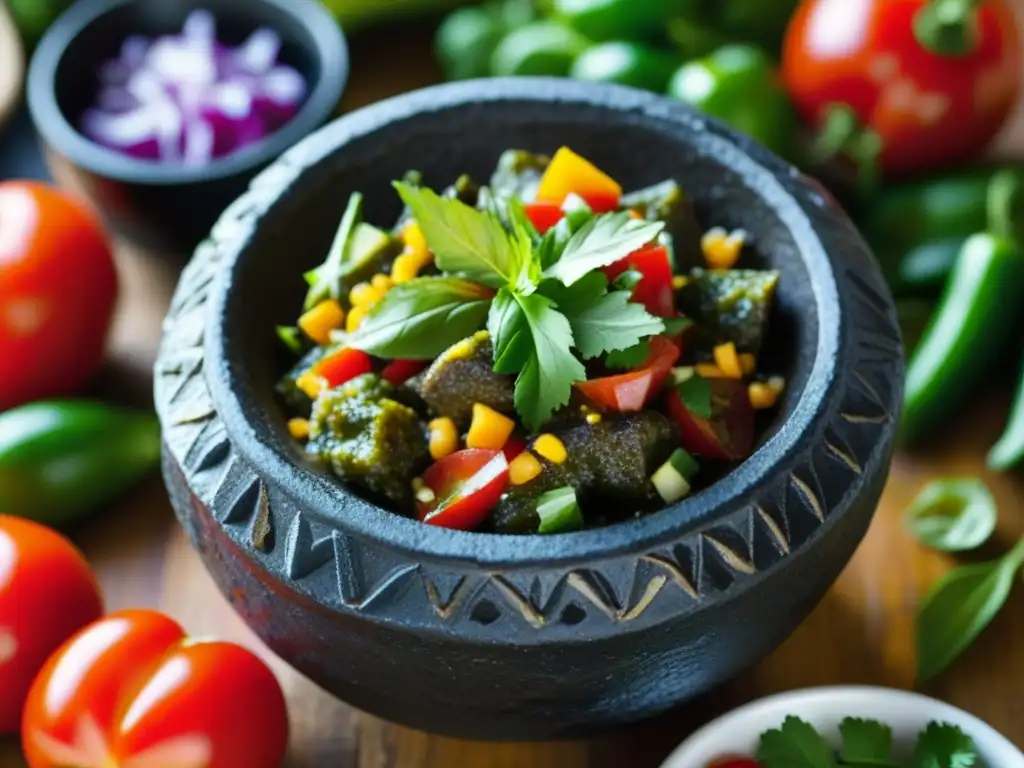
[[929, 93], [132, 691], [47, 593], [58, 287]]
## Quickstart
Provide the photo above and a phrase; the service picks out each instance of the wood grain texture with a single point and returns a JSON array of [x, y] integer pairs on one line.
[[862, 632]]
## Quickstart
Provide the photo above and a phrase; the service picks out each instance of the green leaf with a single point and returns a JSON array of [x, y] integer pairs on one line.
[[325, 281], [602, 241], [953, 514], [795, 745], [944, 746], [629, 358], [545, 383], [614, 322], [959, 606], [422, 318], [865, 743], [291, 337], [510, 333], [559, 511], [694, 391], [466, 241], [628, 280], [676, 325]]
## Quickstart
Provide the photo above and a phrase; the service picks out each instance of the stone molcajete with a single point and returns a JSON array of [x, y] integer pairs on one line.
[[499, 637]]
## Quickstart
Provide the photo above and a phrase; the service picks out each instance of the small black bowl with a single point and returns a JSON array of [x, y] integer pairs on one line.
[[490, 636], [163, 207]]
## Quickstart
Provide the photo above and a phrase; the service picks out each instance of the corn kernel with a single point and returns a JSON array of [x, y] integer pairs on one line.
[[489, 429], [523, 468], [382, 283], [364, 295], [593, 418], [680, 281], [318, 322], [444, 437], [310, 384], [551, 448], [748, 363], [722, 249], [298, 428], [414, 240], [761, 395], [709, 371], [728, 361], [355, 317], [635, 214], [406, 268]]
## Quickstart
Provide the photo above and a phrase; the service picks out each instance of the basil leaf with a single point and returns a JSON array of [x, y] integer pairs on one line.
[[325, 280], [865, 743], [545, 383], [959, 606], [420, 319], [466, 241], [559, 511], [796, 744], [694, 391], [630, 358], [953, 515], [510, 333], [602, 241], [942, 745]]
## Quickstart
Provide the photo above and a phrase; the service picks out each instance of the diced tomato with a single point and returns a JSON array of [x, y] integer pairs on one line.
[[543, 215], [343, 365], [400, 371], [736, 762], [513, 447], [568, 173], [654, 291], [599, 203], [628, 392], [729, 432], [467, 486]]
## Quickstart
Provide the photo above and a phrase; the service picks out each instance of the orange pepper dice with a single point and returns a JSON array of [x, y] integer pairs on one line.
[[568, 173]]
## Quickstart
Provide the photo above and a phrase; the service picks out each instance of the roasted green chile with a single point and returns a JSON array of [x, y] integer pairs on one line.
[[1009, 449], [62, 459], [626, 63], [976, 315], [615, 19]]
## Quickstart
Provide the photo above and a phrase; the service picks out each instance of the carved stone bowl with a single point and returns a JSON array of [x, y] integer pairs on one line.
[[506, 637]]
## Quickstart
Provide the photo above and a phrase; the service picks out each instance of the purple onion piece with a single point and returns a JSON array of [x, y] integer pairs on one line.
[[133, 50], [200, 25], [259, 53], [198, 142], [116, 100], [133, 133], [177, 62]]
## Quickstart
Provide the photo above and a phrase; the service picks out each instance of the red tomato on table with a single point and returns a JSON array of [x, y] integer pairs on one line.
[[47, 593], [928, 109], [58, 287], [132, 691]]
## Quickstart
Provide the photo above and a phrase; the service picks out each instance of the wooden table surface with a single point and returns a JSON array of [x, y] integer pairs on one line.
[[862, 632]]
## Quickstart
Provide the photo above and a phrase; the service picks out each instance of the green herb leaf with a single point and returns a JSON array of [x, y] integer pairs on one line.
[[291, 337], [865, 743], [628, 280], [694, 391], [959, 606], [325, 281], [795, 745], [953, 514], [559, 511], [422, 318], [510, 333], [545, 383], [466, 241], [630, 358], [602, 241], [674, 326], [944, 746]]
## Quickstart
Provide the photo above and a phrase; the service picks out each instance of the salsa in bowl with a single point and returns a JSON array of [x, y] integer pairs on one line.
[[532, 355]]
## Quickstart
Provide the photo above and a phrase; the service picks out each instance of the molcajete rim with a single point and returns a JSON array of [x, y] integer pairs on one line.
[[856, 329]]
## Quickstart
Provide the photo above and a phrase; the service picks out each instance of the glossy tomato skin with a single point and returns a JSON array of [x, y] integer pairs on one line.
[[929, 110], [461, 503], [47, 593], [736, 762], [143, 693], [58, 288], [654, 290], [630, 392], [728, 434]]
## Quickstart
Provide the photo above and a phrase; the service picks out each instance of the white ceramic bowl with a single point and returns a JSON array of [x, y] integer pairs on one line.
[[739, 731]]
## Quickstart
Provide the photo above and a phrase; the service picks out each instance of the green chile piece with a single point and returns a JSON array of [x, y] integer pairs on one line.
[[62, 459], [625, 63], [731, 305], [538, 48], [464, 42], [615, 19]]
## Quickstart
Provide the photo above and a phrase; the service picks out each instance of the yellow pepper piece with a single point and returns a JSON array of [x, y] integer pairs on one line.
[[364, 295], [318, 322], [355, 317], [761, 395], [489, 429], [414, 240], [593, 418], [569, 173], [776, 384], [728, 361], [748, 363], [709, 371], [382, 283], [523, 468], [679, 281], [310, 384], [722, 249], [298, 428], [444, 438], [551, 448], [406, 267]]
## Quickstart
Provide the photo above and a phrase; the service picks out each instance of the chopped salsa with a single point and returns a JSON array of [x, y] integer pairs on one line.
[[537, 354]]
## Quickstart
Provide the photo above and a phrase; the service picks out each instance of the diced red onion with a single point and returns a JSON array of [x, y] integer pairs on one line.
[[189, 98]]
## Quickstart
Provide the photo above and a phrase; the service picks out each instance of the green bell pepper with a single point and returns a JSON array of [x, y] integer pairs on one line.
[[626, 63], [61, 459], [615, 19], [739, 85], [976, 315], [467, 37], [539, 48], [762, 22]]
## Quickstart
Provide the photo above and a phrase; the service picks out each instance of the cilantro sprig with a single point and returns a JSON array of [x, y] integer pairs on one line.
[[544, 300], [865, 744]]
